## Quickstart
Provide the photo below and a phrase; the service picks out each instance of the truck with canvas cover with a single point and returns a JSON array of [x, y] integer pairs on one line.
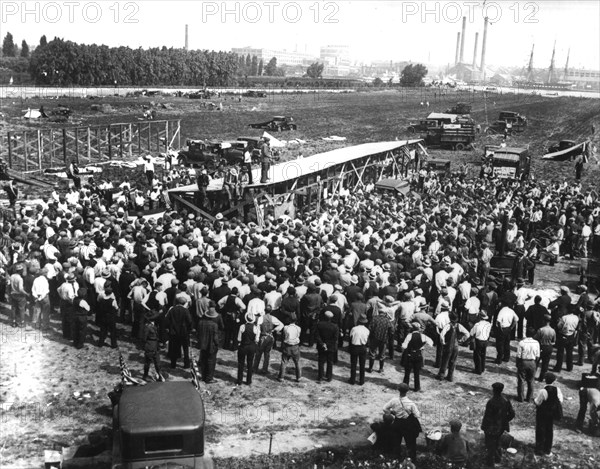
[[159, 425]]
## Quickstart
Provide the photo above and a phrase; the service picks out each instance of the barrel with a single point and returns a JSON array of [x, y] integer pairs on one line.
[[589, 380]]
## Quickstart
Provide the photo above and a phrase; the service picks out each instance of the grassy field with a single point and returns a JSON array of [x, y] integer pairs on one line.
[[40, 373]]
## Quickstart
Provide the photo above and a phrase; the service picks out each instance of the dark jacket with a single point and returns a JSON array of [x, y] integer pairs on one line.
[[179, 321], [326, 333], [498, 413], [208, 335]]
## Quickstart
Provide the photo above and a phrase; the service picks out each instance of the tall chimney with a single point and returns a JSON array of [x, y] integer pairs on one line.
[[186, 38], [483, 44], [475, 50], [457, 47], [462, 40]]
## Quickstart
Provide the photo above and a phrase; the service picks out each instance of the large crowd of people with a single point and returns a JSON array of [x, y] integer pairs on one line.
[[381, 274]]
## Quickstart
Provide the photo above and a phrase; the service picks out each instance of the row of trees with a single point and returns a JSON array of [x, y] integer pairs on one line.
[[10, 49], [61, 62], [250, 66]]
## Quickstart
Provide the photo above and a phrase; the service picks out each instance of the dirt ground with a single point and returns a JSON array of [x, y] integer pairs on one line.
[[40, 373]]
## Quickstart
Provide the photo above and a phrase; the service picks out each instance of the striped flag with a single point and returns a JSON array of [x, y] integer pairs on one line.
[[126, 377], [195, 375]]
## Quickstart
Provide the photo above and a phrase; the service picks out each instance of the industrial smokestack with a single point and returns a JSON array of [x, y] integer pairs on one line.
[[186, 38], [457, 48], [462, 40], [482, 66], [475, 50]]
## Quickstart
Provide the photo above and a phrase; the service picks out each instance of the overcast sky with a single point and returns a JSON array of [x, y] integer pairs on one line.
[[402, 30]]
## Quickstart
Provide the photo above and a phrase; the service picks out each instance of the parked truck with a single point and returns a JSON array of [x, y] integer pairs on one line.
[[459, 135]]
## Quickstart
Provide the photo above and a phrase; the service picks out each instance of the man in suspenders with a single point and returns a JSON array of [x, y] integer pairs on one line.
[[269, 325]]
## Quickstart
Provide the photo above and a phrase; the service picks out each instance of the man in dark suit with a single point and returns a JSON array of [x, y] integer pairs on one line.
[[535, 314], [208, 343], [326, 336], [179, 321], [559, 307], [498, 413]]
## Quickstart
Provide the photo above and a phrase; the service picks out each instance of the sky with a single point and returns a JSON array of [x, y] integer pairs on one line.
[[375, 30]]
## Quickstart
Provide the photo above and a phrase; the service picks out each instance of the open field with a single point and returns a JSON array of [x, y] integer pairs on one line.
[[39, 373]]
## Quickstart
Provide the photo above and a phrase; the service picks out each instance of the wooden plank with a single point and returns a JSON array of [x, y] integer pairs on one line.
[[64, 143], [25, 152], [39, 150], [121, 141], [10, 160], [193, 207], [89, 145], [130, 138]]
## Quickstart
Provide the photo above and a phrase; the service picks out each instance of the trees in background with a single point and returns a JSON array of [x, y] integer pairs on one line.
[[60, 62], [315, 70], [413, 74]]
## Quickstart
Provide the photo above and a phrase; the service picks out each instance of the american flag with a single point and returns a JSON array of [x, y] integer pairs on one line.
[[195, 375], [126, 377]]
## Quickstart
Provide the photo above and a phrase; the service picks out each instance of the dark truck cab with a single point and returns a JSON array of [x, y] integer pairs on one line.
[[159, 423]]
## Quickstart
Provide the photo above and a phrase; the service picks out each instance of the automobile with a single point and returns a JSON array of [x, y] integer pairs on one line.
[[231, 151], [255, 94], [439, 166], [562, 145], [565, 150], [197, 152], [255, 143], [278, 123], [460, 108], [158, 425]]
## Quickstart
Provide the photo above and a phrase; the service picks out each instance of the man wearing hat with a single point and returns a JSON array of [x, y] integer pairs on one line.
[[546, 336], [567, 337], [326, 337], [548, 403], [67, 292], [481, 334], [265, 160], [247, 339], [151, 349], [450, 336], [412, 357], [180, 323], [498, 413], [18, 295], [406, 420], [528, 355], [453, 447], [208, 343], [359, 337]]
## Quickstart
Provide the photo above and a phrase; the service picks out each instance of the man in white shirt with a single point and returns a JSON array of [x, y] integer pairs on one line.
[[40, 291], [480, 334], [506, 321], [149, 168], [290, 350], [359, 337], [528, 354]]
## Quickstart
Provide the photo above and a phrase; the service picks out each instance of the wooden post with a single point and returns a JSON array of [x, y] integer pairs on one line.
[[64, 143], [89, 145], [109, 140], [130, 139], [178, 134], [25, 152], [166, 137], [157, 139], [9, 134], [77, 145], [147, 149], [120, 141], [52, 149], [139, 139], [39, 149]]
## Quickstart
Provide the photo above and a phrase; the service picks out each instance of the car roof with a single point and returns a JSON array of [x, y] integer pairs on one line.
[[152, 408]]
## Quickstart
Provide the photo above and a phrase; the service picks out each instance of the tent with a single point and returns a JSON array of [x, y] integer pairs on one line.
[[32, 114], [274, 142]]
